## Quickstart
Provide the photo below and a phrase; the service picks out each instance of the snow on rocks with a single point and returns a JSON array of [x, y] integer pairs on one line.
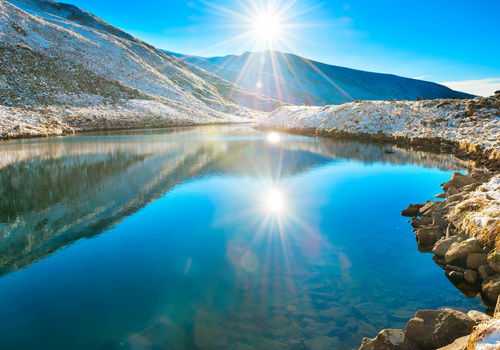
[[453, 121], [18, 122]]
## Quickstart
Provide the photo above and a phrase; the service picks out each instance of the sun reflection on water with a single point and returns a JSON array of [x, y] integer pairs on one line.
[[275, 200], [273, 137]]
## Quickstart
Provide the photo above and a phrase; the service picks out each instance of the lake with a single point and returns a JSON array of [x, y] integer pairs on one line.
[[212, 237]]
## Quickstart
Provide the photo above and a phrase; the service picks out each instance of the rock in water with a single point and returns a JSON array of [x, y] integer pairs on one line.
[[435, 329], [470, 276], [322, 342], [428, 236], [458, 180], [462, 249], [207, 331], [412, 210], [387, 151], [389, 339], [494, 261]]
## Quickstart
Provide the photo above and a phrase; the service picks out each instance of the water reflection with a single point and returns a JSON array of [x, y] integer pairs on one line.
[[273, 137], [274, 200], [215, 238]]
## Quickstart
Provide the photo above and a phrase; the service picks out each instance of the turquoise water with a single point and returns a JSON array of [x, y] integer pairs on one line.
[[216, 237]]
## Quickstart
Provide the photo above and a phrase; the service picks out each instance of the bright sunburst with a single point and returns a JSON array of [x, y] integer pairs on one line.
[[267, 26], [275, 200]]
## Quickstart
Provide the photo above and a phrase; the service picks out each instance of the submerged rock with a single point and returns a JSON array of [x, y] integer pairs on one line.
[[207, 331], [435, 329], [462, 249], [322, 342], [273, 345]]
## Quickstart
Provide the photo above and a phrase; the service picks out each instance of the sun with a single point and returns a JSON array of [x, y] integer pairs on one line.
[[267, 26]]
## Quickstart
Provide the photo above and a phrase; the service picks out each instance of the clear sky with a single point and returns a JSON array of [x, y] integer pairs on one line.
[[456, 42]]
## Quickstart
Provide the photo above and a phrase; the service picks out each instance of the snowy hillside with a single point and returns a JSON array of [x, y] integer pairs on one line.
[[297, 80], [56, 56]]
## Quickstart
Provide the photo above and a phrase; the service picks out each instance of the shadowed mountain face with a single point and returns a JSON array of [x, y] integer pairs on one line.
[[297, 80], [55, 192]]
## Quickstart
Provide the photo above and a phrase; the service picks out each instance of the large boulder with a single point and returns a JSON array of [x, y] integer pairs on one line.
[[474, 260], [491, 287], [428, 236], [435, 329], [444, 244], [389, 339], [462, 249], [458, 180], [494, 261]]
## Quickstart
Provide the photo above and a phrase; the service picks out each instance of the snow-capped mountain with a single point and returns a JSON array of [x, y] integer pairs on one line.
[[59, 56], [297, 80]]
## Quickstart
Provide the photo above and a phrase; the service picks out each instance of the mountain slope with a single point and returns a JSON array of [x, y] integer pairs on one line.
[[59, 56], [297, 80]]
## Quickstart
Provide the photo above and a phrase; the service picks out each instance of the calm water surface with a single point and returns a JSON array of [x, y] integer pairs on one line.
[[216, 237]]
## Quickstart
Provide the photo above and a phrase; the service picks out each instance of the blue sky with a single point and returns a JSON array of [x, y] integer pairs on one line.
[[456, 42]]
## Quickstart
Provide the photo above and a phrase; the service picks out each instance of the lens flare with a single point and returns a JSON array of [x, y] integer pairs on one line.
[[273, 137], [267, 26], [275, 200]]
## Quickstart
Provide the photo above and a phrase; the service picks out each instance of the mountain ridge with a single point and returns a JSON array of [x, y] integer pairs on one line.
[[298, 80]]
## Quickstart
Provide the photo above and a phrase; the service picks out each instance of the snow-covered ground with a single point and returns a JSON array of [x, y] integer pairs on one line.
[[59, 58], [448, 120]]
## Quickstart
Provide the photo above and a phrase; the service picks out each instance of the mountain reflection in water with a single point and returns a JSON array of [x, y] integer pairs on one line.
[[279, 278]]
